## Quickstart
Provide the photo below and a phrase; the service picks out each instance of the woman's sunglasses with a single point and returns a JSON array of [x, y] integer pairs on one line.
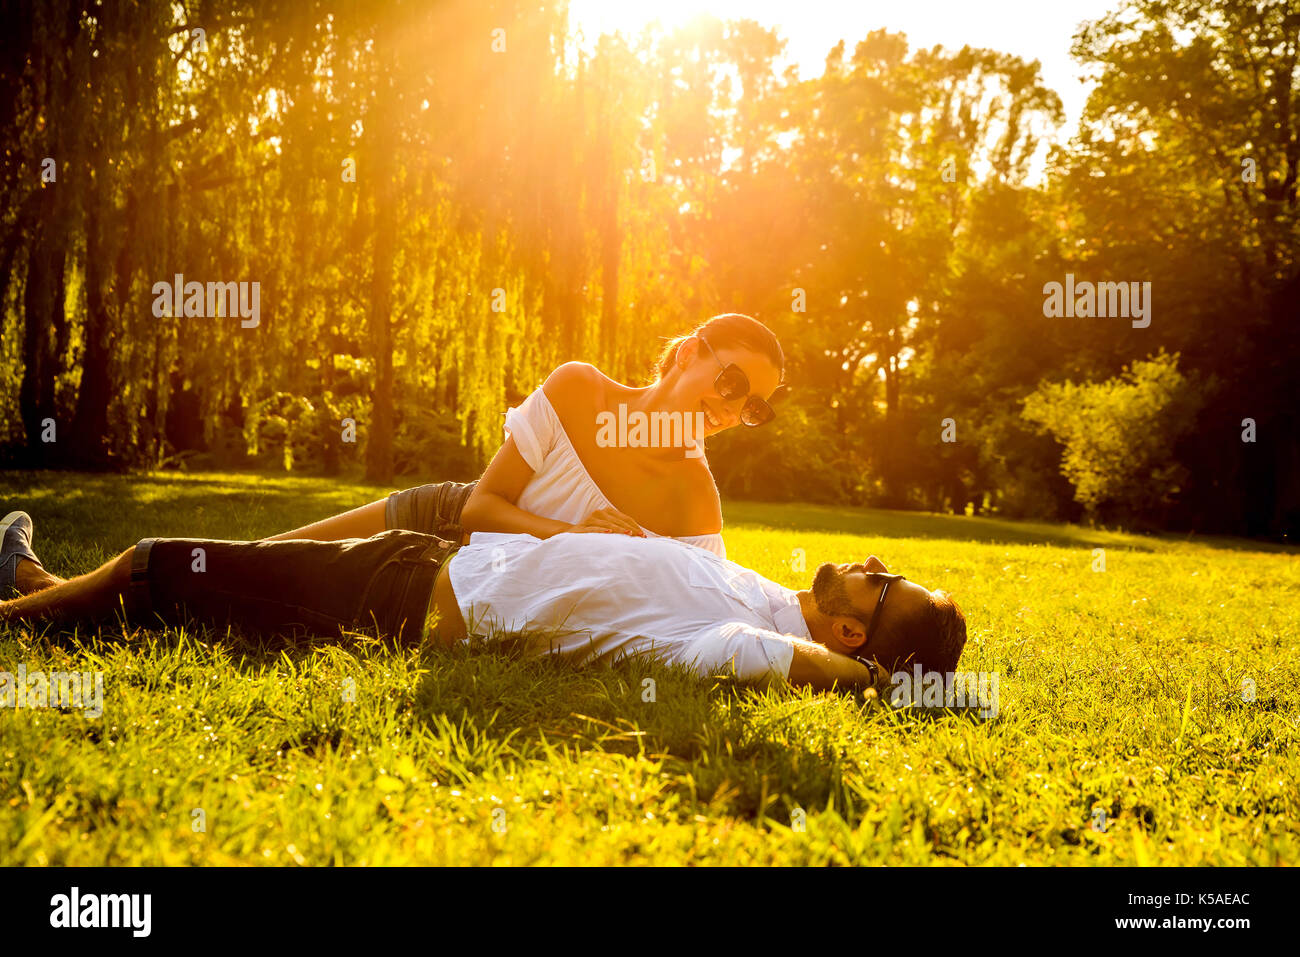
[[732, 383]]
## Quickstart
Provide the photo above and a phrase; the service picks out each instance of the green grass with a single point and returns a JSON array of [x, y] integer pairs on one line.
[[1119, 690]]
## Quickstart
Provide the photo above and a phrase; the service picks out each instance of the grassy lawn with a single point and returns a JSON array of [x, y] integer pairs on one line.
[[1119, 690]]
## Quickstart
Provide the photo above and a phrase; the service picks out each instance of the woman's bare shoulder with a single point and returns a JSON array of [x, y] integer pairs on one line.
[[701, 511], [576, 385], [577, 389]]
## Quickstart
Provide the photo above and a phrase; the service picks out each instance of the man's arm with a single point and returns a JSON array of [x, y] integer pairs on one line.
[[824, 670], [757, 655]]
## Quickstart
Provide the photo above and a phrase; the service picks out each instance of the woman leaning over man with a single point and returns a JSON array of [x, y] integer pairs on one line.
[[555, 474]]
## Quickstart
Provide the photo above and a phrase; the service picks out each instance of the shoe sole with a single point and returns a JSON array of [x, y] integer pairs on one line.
[[9, 520], [4, 527]]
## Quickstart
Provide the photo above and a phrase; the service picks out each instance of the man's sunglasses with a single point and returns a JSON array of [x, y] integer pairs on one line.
[[732, 383], [862, 653]]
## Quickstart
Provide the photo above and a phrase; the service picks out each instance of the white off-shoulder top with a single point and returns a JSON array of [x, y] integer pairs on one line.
[[561, 488]]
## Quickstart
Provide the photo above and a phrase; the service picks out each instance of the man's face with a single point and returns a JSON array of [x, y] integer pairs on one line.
[[847, 595], [849, 589]]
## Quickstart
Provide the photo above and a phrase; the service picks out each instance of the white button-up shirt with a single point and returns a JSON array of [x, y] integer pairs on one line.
[[594, 596]]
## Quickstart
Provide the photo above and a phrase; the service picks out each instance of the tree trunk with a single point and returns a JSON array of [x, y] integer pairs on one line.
[[90, 436], [43, 297], [379, 445], [890, 465]]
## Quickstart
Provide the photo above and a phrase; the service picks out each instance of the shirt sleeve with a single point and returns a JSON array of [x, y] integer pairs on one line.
[[752, 654], [533, 426]]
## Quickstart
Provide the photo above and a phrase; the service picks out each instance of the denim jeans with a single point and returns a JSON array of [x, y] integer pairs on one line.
[[291, 587]]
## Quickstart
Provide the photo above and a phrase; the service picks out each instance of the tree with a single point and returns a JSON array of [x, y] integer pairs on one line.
[[1119, 435]]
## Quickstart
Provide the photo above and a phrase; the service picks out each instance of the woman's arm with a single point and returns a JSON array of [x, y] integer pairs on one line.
[[491, 506]]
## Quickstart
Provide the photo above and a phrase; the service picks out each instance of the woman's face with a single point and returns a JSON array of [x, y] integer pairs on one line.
[[696, 389]]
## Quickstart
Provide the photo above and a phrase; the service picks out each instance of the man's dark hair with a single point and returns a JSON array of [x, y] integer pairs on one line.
[[933, 637]]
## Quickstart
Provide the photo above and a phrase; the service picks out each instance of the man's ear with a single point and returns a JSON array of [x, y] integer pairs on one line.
[[849, 632]]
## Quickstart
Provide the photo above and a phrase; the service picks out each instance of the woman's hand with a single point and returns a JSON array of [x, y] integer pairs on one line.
[[608, 520]]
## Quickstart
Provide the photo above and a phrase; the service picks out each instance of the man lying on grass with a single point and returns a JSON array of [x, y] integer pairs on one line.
[[588, 596]]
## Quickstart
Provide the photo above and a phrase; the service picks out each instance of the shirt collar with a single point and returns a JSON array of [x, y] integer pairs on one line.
[[787, 614]]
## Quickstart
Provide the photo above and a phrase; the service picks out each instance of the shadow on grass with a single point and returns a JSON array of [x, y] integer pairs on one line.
[[721, 747], [714, 752], [886, 523], [116, 511]]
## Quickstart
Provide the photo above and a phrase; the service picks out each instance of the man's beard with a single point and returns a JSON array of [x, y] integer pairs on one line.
[[829, 593]]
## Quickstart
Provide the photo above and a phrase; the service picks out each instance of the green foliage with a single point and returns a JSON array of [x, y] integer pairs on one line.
[[428, 444], [297, 434], [881, 217], [1119, 435], [798, 457], [1023, 467]]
